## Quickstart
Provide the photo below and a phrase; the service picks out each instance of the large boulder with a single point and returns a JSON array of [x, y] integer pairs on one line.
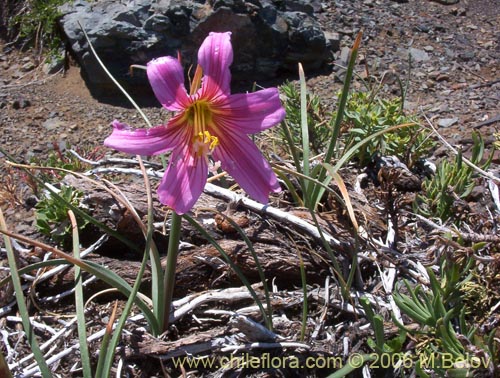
[[269, 36]]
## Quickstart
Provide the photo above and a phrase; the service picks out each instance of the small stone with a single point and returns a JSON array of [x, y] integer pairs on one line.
[[53, 66], [477, 193], [488, 44], [344, 54], [419, 55], [16, 74], [443, 77], [450, 53], [423, 28], [447, 122], [428, 48], [466, 55], [333, 40], [38, 148], [28, 67], [52, 124], [20, 104], [458, 11]]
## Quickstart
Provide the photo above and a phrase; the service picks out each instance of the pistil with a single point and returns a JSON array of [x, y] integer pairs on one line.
[[200, 118]]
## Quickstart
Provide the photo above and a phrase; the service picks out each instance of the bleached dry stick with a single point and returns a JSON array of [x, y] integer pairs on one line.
[[278, 214], [227, 295], [454, 150], [44, 346], [280, 345], [34, 323], [57, 297], [52, 272], [230, 196], [112, 160], [8, 348], [57, 357], [60, 268]]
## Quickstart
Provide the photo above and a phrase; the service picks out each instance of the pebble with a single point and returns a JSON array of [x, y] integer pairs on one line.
[[423, 28], [53, 67], [466, 56], [447, 122], [20, 104], [419, 55], [52, 123], [458, 11], [16, 74], [28, 67]]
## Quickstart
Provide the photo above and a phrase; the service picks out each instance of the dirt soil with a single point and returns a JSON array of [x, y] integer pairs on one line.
[[453, 80]]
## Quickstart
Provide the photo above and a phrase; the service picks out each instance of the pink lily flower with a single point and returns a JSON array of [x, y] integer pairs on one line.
[[209, 121]]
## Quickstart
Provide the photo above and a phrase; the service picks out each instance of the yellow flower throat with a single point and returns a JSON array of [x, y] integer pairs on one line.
[[199, 117]]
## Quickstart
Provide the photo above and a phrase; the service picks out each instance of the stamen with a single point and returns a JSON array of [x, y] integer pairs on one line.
[[196, 83], [204, 143], [200, 118]]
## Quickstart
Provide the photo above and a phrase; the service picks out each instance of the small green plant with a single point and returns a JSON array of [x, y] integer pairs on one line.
[[318, 126], [366, 114], [63, 158], [380, 344], [446, 341], [38, 27], [454, 180], [52, 214]]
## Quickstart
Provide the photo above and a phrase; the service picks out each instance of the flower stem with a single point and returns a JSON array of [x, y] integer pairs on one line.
[[169, 277]]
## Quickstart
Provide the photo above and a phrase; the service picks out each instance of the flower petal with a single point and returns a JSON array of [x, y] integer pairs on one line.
[[250, 113], [241, 158], [152, 141], [183, 181], [166, 77], [215, 56]]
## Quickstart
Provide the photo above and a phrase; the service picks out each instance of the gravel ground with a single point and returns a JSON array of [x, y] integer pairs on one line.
[[453, 80]]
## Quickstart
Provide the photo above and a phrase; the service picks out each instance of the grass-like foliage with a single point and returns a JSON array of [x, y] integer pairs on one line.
[[453, 181], [37, 26], [317, 120], [445, 331]]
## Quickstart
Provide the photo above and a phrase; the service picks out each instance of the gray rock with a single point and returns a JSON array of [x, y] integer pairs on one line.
[[419, 55], [268, 36], [447, 122], [29, 66], [52, 124], [55, 65]]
